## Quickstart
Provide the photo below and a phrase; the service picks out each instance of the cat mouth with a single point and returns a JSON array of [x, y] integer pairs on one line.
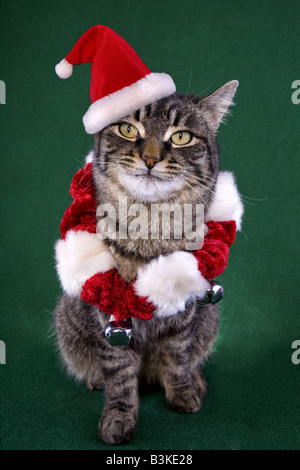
[[150, 177], [147, 177], [149, 187]]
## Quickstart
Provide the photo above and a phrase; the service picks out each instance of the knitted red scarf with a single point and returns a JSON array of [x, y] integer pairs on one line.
[[108, 290]]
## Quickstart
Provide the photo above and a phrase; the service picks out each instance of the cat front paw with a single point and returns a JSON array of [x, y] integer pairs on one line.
[[91, 385], [188, 399], [117, 427], [185, 401]]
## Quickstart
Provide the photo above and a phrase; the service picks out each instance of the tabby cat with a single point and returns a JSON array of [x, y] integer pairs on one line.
[[164, 152]]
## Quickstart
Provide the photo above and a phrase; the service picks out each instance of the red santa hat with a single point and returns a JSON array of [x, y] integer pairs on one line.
[[120, 82]]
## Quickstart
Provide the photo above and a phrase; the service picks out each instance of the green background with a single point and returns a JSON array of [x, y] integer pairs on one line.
[[254, 388]]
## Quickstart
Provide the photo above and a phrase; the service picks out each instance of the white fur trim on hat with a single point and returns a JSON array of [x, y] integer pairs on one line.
[[226, 204], [64, 69], [169, 281], [78, 257], [119, 104]]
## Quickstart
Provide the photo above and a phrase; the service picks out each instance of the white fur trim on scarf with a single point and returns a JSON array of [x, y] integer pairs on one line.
[[226, 204], [169, 281], [78, 257]]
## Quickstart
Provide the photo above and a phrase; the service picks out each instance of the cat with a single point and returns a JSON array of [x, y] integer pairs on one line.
[[165, 152]]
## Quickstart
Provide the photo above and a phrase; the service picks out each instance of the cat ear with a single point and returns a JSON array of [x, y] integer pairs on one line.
[[215, 106]]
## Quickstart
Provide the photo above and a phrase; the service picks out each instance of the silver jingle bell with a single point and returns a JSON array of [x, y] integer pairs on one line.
[[118, 332], [214, 294]]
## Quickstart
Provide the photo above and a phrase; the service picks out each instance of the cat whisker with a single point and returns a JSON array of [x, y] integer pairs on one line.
[[204, 91], [203, 185], [197, 180], [194, 189], [89, 183], [253, 198], [243, 196], [190, 80], [242, 231], [213, 180], [78, 161], [247, 202]]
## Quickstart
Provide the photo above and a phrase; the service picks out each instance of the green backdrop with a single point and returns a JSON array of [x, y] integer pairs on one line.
[[254, 387]]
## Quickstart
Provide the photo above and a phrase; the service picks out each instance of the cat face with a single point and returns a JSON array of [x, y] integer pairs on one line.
[[165, 149]]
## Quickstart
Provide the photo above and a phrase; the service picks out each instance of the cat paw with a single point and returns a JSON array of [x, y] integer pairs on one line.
[[117, 427], [95, 380], [91, 385], [199, 382], [187, 401]]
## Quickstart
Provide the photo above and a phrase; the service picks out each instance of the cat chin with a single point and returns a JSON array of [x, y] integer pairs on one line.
[[146, 189]]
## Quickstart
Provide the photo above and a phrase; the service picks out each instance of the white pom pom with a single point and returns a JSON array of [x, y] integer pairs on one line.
[[169, 281], [64, 69]]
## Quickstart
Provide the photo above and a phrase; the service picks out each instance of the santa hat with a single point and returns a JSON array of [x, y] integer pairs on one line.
[[120, 82]]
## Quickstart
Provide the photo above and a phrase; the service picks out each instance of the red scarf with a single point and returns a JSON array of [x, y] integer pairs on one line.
[[108, 290]]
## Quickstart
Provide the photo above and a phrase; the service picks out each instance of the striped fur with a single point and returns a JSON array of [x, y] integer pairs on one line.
[[166, 351], [188, 174], [163, 350]]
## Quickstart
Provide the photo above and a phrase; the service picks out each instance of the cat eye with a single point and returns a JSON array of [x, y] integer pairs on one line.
[[181, 137], [128, 130]]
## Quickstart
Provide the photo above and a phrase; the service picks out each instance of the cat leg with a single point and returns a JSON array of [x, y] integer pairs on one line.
[[200, 381], [76, 342], [183, 392], [180, 356], [96, 382], [183, 384], [121, 367]]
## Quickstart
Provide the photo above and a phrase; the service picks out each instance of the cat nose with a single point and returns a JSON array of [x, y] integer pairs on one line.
[[150, 161]]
